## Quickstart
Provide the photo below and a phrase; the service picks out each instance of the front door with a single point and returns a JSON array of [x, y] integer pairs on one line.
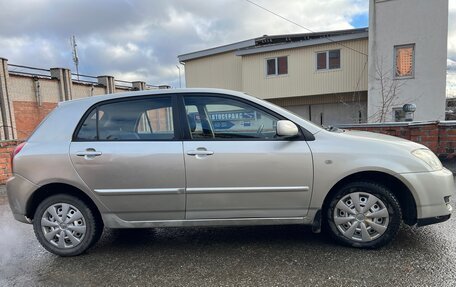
[[236, 166], [128, 154]]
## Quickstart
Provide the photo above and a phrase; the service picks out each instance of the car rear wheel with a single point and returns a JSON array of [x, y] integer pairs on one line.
[[65, 225], [364, 214]]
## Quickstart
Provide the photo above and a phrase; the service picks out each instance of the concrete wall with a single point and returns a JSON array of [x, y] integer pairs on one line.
[[26, 99], [420, 22], [222, 71]]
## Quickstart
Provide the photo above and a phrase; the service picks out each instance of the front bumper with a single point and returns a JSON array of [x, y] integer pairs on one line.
[[431, 191], [432, 220]]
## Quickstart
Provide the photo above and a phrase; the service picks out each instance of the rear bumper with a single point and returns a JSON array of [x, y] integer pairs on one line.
[[19, 191]]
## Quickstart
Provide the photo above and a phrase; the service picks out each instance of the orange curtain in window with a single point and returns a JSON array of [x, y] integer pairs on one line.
[[404, 62]]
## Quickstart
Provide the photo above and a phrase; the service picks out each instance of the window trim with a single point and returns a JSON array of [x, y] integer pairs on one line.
[[276, 74], [303, 134], [413, 46], [174, 106], [327, 69]]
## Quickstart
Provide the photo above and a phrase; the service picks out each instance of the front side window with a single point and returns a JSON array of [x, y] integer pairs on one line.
[[328, 60], [224, 118], [277, 66], [149, 119], [404, 61]]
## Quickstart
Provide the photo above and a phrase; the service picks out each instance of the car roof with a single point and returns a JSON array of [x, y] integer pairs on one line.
[[100, 98]]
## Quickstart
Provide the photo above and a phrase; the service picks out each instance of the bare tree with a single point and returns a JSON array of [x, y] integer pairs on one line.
[[355, 107], [388, 90]]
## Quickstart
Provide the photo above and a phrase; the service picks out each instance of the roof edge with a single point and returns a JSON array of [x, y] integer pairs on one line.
[[216, 50], [276, 47], [250, 45]]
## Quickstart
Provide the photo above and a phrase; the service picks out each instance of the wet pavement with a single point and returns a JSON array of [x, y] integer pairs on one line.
[[229, 256]]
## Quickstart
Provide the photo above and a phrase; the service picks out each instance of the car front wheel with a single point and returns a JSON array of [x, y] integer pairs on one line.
[[364, 214], [65, 225]]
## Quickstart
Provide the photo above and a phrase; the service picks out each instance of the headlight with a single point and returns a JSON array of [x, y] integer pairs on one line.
[[429, 158]]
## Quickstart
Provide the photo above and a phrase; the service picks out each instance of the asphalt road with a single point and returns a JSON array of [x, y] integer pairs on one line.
[[238, 256]]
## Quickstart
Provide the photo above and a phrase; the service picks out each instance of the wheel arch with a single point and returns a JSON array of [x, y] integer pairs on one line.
[[398, 188], [59, 188]]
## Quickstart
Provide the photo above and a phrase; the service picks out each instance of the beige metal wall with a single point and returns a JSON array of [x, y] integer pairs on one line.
[[303, 79], [222, 71]]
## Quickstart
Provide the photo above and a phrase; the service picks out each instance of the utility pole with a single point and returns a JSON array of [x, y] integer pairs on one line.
[[178, 68], [75, 54]]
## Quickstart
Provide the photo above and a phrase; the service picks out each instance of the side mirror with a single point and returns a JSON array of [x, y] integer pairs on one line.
[[286, 128]]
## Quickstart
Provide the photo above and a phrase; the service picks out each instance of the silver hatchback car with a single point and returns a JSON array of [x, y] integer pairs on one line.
[[207, 157]]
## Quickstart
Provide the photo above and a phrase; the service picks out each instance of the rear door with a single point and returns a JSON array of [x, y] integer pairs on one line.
[[129, 154], [236, 166]]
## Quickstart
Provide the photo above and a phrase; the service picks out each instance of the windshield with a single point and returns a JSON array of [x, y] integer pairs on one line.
[[328, 128], [282, 108], [333, 129]]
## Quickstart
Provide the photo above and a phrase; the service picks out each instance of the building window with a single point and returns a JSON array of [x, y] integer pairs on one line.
[[404, 65], [328, 60], [277, 66]]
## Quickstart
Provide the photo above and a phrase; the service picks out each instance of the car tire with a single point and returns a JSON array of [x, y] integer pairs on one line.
[[363, 215], [65, 225]]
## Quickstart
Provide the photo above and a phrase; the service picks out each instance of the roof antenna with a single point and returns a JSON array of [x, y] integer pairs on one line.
[[75, 54]]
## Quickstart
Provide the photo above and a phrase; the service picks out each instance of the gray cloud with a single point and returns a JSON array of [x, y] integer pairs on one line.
[[140, 40]]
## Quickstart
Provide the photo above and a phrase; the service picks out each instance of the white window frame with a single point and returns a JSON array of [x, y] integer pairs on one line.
[[276, 74], [412, 45], [327, 60]]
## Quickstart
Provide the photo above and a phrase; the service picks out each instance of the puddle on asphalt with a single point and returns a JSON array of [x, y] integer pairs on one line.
[[11, 239]]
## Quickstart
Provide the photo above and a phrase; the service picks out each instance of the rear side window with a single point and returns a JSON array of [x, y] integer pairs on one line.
[[88, 130], [134, 120]]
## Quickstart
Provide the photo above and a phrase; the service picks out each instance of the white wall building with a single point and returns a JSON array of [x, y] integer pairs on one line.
[[407, 58]]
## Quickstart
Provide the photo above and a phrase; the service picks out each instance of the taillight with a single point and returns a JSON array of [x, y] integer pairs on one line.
[[16, 151]]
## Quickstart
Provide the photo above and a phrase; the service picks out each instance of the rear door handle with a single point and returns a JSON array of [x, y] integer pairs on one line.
[[200, 152], [89, 153]]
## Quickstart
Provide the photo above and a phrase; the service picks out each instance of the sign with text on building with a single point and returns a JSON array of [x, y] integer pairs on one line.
[[232, 116]]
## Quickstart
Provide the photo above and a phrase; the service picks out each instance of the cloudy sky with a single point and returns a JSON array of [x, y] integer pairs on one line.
[[140, 40]]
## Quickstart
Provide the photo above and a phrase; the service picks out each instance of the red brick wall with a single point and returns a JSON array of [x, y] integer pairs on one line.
[[440, 137], [28, 115], [6, 148]]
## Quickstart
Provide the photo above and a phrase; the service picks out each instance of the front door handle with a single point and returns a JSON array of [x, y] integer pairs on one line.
[[201, 151]]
